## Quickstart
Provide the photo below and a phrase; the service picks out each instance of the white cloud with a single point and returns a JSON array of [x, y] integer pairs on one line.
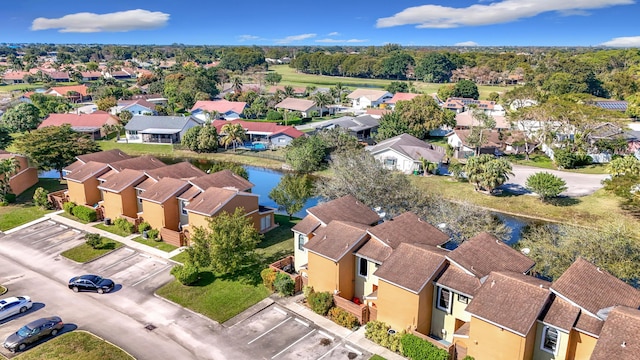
[[466, 43], [442, 17], [248, 37], [112, 22], [335, 33], [341, 41], [292, 38], [627, 41]]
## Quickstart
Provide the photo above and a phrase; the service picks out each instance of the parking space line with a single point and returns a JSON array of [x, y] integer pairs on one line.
[[288, 347], [152, 275], [353, 349], [49, 237], [62, 242], [302, 322], [325, 335], [268, 331], [35, 233], [280, 310], [329, 352], [118, 262]]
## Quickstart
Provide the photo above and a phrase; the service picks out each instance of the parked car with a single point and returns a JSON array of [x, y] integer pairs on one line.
[[91, 283], [33, 332], [14, 305]]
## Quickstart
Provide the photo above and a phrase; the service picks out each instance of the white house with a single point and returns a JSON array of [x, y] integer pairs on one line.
[[227, 110], [305, 107], [365, 98], [135, 107], [403, 153], [159, 129]]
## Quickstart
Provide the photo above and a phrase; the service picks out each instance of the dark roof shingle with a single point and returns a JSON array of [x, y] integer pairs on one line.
[[182, 170], [620, 335], [337, 239], [222, 179], [424, 262], [346, 208], [408, 228]]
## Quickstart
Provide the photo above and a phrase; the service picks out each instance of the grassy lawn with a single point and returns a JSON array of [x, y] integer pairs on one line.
[[71, 217], [75, 345], [138, 149], [377, 357], [222, 297], [112, 229], [544, 162], [84, 253], [160, 245], [23, 210]]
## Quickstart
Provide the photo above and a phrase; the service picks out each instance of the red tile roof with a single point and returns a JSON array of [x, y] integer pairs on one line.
[[263, 127], [96, 120], [221, 106], [63, 90], [15, 75], [402, 97]]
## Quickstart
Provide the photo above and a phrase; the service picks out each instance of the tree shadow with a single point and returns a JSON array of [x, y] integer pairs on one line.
[[107, 246], [563, 201]]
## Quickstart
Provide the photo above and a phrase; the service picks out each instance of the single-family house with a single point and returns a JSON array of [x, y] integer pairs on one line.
[[25, 177], [263, 132], [361, 127], [135, 107], [157, 99], [368, 98], [458, 139], [615, 105], [298, 91], [14, 77], [459, 105], [90, 75], [399, 96], [218, 109], [59, 76], [159, 129], [404, 153], [92, 124], [304, 106], [465, 120], [75, 93]]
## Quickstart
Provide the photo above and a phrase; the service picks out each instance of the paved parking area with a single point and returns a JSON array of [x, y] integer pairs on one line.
[[275, 333]]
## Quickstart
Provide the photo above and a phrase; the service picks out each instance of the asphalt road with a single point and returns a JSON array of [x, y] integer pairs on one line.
[[577, 184]]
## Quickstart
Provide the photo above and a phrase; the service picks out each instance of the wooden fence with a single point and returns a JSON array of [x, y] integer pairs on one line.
[[172, 237], [450, 348], [287, 263], [360, 311], [57, 199]]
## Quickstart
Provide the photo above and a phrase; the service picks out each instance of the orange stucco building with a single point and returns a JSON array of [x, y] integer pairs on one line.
[[25, 176]]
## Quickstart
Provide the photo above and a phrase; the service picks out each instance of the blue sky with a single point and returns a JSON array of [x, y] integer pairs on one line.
[[327, 22]]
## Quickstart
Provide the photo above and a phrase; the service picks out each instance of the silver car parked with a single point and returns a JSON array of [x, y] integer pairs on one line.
[[14, 305]]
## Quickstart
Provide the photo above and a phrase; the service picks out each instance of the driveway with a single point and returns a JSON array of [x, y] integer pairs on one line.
[[577, 184]]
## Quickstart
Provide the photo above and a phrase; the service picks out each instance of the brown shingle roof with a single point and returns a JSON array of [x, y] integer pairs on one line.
[[337, 239], [145, 162], [560, 314], [212, 200], [594, 289], [307, 225], [485, 253], [182, 170], [408, 228], [191, 193], [346, 208], [456, 279], [222, 179], [424, 262], [105, 157], [620, 336], [164, 189], [145, 184], [86, 171], [375, 251], [589, 324], [122, 180], [510, 300]]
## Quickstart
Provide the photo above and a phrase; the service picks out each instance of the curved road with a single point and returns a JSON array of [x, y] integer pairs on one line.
[[577, 184]]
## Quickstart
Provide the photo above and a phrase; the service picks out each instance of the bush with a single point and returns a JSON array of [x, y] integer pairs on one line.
[[378, 332], [154, 234], [123, 225], [320, 302], [187, 274], [85, 213], [284, 284], [93, 240], [268, 276], [468, 358], [9, 198], [68, 207], [274, 115], [415, 348], [307, 290], [343, 318], [582, 159], [566, 159], [143, 226], [40, 198]]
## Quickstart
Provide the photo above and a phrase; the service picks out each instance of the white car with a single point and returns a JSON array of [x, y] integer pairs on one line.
[[14, 305]]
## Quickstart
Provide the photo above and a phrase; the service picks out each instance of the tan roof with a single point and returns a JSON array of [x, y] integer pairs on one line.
[[211, 201], [593, 288], [222, 179], [375, 251], [370, 94], [146, 183], [345, 208], [510, 300], [493, 137], [402, 97], [620, 336], [191, 193], [122, 180], [589, 324], [409, 228], [86, 171], [307, 225], [561, 314], [296, 104], [458, 280], [337, 239], [145, 162], [466, 119], [182, 170], [485, 253], [74, 165], [412, 266], [105, 157], [164, 189]]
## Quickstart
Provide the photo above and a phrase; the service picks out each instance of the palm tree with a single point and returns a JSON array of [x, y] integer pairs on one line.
[[321, 99], [237, 84], [289, 91], [8, 168], [233, 133]]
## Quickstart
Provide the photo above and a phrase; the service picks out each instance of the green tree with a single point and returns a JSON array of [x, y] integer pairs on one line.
[[633, 105], [487, 172], [5, 137], [106, 103], [391, 124], [306, 154], [125, 116], [48, 104], [546, 185], [41, 199], [466, 89], [479, 134], [190, 138], [626, 165], [445, 92], [55, 147], [397, 87], [232, 135], [273, 78], [8, 168], [321, 99], [292, 192], [208, 139], [434, 67], [23, 117], [227, 165], [423, 114]]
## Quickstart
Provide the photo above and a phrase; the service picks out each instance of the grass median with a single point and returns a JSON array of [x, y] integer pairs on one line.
[[221, 297], [75, 345], [84, 253]]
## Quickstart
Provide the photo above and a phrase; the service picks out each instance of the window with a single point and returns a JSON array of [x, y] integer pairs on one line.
[[301, 241], [183, 204], [444, 299], [549, 340], [390, 162], [362, 267], [139, 198], [463, 299], [265, 222]]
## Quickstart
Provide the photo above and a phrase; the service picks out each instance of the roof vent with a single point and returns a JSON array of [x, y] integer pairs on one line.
[[541, 286], [624, 344], [493, 282], [525, 251], [599, 270]]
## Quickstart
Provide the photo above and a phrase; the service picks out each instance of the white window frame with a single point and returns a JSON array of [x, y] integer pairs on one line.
[[265, 222], [463, 299], [360, 260], [301, 241], [447, 310], [544, 338], [139, 199], [183, 204]]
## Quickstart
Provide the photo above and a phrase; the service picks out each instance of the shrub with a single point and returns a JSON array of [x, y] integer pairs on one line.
[[307, 290], [143, 226], [68, 207], [415, 348], [268, 276], [9, 198], [320, 302], [468, 358], [123, 225], [93, 240], [153, 234], [343, 318], [378, 332], [284, 284], [85, 213], [274, 115], [40, 198], [187, 274], [582, 159], [564, 159]]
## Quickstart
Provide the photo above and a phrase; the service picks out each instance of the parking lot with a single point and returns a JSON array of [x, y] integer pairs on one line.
[[275, 333]]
